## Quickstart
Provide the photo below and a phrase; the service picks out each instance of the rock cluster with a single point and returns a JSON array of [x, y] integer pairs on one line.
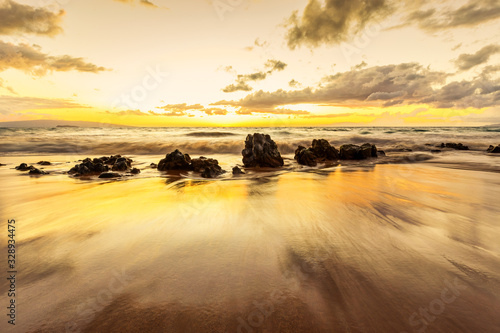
[[102, 164], [32, 170], [320, 151], [494, 150], [261, 151], [456, 146], [207, 167], [355, 152]]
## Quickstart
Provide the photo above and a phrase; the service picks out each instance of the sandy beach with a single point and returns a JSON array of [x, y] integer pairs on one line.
[[382, 248]]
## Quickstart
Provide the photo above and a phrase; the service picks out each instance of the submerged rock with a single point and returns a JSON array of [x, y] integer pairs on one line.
[[261, 151], [110, 175], [36, 171], [456, 146], [208, 167], [237, 171], [355, 152], [175, 161], [44, 163], [135, 171], [24, 167], [494, 150]]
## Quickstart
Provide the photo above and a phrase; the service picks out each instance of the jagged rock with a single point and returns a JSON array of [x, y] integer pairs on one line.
[[208, 167], [457, 146], [355, 152], [36, 171], [494, 150], [175, 161], [24, 167], [135, 171], [322, 149], [88, 167], [305, 156], [261, 151], [44, 163], [237, 171], [110, 175]]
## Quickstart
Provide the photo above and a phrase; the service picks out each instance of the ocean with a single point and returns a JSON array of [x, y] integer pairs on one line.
[[402, 243]]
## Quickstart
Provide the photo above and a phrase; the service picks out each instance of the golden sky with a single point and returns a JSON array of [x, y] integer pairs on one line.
[[251, 62]]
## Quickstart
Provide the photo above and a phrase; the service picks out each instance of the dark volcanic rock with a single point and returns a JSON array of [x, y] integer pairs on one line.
[[175, 161], [237, 171], [88, 167], [457, 146], [355, 152], [110, 175], [261, 151], [322, 149], [494, 150], [44, 163], [135, 171], [24, 167], [36, 171], [208, 167], [305, 156]]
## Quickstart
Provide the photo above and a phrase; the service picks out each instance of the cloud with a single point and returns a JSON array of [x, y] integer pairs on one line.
[[471, 14], [467, 61], [6, 87], [294, 83], [247, 111], [23, 19], [142, 2], [334, 22], [407, 83], [242, 80], [30, 58], [11, 104], [181, 110]]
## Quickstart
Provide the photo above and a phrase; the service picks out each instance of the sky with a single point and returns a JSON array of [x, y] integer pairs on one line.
[[251, 62]]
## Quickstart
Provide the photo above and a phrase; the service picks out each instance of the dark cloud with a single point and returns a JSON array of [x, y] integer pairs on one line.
[[333, 22], [471, 14], [31, 59], [11, 104], [242, 80], [407, 83], [17, 18], [467, 61]]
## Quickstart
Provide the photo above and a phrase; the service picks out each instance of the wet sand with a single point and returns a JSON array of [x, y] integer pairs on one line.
[[385, 248]]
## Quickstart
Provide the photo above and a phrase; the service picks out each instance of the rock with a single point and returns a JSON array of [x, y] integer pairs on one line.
[[175, 161], [237, 171], [381, 153], [153, 165], [208, 167], [456, 146], [435, 150], [24, 167], [261, 151], [36, 171], [494, 150], [110, 175], [2, 164], [305, 156], [322, 149], [135, 171], [44, 163], [354, 152], [89, 167]]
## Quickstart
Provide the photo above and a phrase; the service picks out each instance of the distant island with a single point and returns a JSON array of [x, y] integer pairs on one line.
[[57, 123]]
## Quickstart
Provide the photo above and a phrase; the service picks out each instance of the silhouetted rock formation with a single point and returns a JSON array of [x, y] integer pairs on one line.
[[44, 163], [208, 167], [36, 171], [102, 164], [261, 151], [110, 175], [237, 171], [355, 152], [494, 150], [175, 161], [24, 167], [457, 146]]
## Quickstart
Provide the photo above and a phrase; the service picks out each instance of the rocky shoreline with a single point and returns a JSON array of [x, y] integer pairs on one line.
[[260, 151]]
